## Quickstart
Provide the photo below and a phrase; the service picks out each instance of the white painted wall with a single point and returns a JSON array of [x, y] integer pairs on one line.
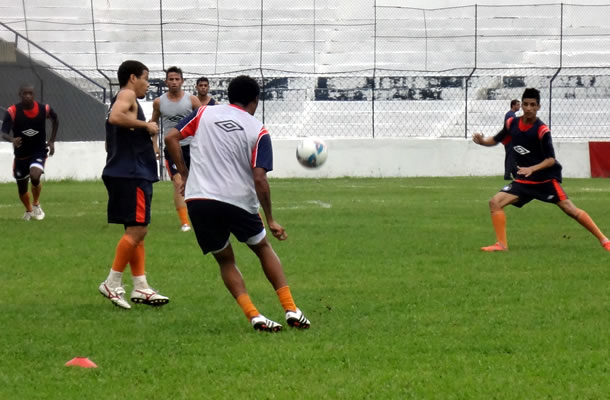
[[404, 157]]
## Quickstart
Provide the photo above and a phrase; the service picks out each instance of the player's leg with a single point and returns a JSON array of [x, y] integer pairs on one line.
[[498, 219], [585, 220], [36, 171], [21, 173], [180, 204]]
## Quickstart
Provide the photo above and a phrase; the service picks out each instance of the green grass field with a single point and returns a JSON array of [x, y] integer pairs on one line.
[[402, 302]]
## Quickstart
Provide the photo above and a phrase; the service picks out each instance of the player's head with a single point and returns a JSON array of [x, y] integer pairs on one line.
[[174, 79], [515, 105], [202, 86], [26, 93], [134, 74], [530, 102], [244, 91]]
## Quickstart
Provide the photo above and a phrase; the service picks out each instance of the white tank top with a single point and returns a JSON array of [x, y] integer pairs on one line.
[[173, 111]]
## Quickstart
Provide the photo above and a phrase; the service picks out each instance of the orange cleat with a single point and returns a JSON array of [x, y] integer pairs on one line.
[[495, 247], [606, 245]]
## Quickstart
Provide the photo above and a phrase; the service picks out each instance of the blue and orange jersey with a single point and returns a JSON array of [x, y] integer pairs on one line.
[[30, 126], [530, 145]]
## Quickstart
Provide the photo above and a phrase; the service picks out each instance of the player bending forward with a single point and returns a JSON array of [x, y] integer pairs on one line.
[[227, 182], [538, 172]]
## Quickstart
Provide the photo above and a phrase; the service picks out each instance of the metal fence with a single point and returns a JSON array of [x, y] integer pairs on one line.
[[362, 68]]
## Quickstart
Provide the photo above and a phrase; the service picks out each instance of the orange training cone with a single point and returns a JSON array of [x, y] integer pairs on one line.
[[82, 362]]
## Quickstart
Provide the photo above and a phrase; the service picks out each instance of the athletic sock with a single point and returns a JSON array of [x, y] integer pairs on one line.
[[137, 262], [25, 199], [286, 298], [585, 220], [115, 278], [124, 252], [246, 306], [498, 219], [139, 282], [183, 214]]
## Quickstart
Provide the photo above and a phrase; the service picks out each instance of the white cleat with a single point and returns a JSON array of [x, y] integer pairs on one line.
[[185, 228], [114, 295], [297, 319], [149, 297], [27, 216], [261, 323], [37, 213]]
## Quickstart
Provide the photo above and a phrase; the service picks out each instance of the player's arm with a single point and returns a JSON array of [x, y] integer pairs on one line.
[[172, 143], [52, 115], [7, 125], [263, 192], [156, 115], [122, 114], [483, 140], [195, 102]]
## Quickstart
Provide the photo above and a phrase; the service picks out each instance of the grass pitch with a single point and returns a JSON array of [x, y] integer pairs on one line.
[[402, 302]]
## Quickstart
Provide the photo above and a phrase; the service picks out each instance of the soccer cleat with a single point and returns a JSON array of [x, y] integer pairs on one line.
[[27, 216], [297, 319], [606, 245], [261, 323], [185, 228], [495, 247], [37, 213], [114, 295], [149, 297]]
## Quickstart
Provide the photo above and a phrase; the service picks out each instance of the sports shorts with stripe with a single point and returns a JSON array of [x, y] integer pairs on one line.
[[129, 200], [21, 166], [548, 191], [214, 221]]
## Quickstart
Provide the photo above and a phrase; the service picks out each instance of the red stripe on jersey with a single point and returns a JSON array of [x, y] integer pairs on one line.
[[508, 121], [47, 109], [33, 112], [140, 206], [524, 127], [262, 133], [191, 127], [562, 195], [12, 111], [532, 182], [543, 130]]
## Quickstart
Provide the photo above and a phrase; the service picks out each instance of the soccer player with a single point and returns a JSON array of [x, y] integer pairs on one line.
[[171, 107], [129, 174], [515, 105], [230, 156], [203, 85], [538, 172], [27, 120]]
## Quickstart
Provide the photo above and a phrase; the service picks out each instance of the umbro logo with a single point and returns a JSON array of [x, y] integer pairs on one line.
[[176, 118], [229, 126], [521, 150], [30, 132]]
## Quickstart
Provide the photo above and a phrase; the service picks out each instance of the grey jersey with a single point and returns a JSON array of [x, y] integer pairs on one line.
[[173, 111]]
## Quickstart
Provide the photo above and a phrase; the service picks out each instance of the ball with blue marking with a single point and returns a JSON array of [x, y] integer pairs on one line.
[[312, 152]]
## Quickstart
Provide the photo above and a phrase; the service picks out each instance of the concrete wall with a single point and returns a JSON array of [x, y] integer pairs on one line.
[[405, 157]]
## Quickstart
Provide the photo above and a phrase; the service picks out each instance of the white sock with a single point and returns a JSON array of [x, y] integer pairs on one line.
[[139, 282], [115, 278]]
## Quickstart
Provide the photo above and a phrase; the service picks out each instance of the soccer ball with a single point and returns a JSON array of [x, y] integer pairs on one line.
[[312, 152]]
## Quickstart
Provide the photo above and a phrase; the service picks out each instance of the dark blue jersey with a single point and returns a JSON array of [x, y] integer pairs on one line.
[[529, 145], [30, 126], [130, 151], [509, 114]]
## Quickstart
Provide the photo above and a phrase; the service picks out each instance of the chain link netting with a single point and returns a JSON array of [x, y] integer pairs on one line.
[[370, 69]]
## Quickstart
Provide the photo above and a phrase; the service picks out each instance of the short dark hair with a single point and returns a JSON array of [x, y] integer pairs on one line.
[[128, 68], [24, 86], [513, 102], [174, 69], [531, 93], [243, 90], [202, 79]]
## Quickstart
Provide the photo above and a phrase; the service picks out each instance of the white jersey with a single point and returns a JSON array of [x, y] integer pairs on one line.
[[228, 143]]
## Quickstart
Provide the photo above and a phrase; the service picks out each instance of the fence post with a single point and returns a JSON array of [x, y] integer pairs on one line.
[[97, 66], [374, 67], [467, 81], [260, 60], [558, 69], [161, 28]]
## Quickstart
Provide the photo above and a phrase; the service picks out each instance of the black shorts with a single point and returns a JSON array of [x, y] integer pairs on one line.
[[128, 200], [21, 166], [213, 222], [170, 166], [548, 191]]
